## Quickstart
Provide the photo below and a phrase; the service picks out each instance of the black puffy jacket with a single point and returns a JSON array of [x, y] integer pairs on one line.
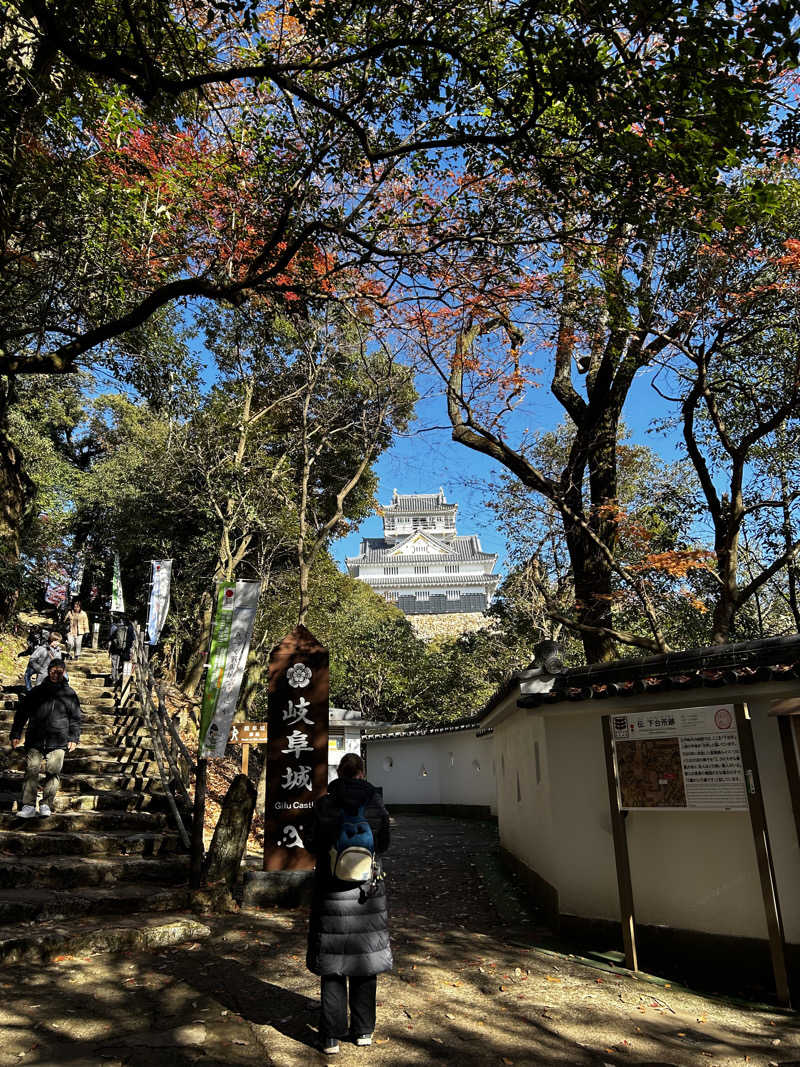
[[53, 714], [349, 931]]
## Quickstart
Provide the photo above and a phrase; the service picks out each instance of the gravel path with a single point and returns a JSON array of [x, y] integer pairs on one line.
[[469, 988]]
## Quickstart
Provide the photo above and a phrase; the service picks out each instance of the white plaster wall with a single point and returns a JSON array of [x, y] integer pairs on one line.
[[690, 870], [449, 759]]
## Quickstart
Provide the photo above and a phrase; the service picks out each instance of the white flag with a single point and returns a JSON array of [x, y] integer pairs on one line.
[[117, 602], [159, 598]]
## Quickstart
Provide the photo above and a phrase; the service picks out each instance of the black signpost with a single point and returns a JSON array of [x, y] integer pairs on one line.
[[297, 753]]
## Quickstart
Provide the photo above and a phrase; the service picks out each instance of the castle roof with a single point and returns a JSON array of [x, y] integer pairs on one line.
[[460, 549], [415, 503]]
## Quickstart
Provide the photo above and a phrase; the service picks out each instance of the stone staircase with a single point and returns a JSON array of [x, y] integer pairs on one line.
[[107, 869]]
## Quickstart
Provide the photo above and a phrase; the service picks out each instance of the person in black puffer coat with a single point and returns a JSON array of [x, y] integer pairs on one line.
[[348, 937], [52, 712]]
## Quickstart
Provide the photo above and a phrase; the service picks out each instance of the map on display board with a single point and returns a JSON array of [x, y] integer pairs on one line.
[[685, 759]]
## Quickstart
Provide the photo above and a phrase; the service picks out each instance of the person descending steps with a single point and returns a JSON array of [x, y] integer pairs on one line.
[[50, 714]]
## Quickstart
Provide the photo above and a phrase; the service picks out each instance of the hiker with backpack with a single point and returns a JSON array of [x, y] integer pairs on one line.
[[348, 938], [120, 643]]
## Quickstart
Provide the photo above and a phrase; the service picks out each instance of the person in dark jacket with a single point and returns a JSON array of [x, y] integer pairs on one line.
[[348, 937], [52, 713]]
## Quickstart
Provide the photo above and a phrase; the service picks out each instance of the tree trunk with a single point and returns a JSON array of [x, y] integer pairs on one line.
[[305, 603], [224, 860], [726, 546], [16, 492], [197, 659], [592, 576]]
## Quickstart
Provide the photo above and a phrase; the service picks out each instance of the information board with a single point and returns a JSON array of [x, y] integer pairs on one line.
[[680, 760]]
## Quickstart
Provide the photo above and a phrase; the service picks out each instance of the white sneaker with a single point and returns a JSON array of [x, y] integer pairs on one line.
[[27, 811], [44, 810], [362, 1040]]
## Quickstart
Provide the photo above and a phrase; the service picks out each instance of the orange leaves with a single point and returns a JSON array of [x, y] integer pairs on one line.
[[676, 563]]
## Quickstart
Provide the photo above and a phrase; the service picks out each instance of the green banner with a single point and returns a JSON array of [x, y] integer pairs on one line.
[[218, 655]]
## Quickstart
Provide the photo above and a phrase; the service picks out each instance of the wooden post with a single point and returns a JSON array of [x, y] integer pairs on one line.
[[621, 857], [245, 759], [197, 855], [766, 871]]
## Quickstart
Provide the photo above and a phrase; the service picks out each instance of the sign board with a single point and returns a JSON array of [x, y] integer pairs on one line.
[[249, 733], [684, 759], [237, 603], [297, 755]]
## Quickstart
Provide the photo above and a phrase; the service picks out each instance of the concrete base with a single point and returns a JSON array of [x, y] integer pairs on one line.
[[283, 889]]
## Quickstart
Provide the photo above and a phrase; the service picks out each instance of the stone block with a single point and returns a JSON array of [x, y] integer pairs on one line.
[[284, 889]]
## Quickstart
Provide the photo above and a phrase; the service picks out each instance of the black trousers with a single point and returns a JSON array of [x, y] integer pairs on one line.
[[333, 1020]]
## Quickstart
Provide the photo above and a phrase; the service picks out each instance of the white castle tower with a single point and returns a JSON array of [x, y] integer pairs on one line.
[[422, 564]]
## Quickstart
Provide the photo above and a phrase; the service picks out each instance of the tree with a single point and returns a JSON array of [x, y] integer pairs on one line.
[[153, 153], [654, 590], [734, 371]]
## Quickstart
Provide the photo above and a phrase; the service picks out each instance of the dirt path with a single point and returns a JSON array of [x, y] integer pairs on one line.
[[468, 989]]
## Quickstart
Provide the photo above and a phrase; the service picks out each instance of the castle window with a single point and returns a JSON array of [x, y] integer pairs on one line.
[[453, 594], [391, 570], [451, 568], [423, 595], [421, 570]]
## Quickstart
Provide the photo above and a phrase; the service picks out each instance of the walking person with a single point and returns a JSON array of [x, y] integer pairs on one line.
[[78, 627], [41, 659], [348, 938], [37, 638], [50, 714], [120, 643]]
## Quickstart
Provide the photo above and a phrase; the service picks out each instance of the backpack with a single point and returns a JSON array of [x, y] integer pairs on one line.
[[353, 854], [119, 640]]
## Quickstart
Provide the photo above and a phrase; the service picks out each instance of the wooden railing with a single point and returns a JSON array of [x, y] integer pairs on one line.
[[172, 756]]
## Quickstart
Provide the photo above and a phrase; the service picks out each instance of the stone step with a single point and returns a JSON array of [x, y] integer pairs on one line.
[[31, 905], [73, 821], [47, 941], [79, 764], [66, 872], [105, 800], [87, 783], [22, 842]]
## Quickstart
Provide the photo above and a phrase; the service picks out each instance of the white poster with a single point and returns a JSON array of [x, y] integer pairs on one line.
[[682, 759], [228, 661], [117, 601], [161, 573]]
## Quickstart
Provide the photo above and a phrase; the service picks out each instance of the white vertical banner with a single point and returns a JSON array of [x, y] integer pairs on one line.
[[226, 669], [159, 598], [76, 575], [117, 600]]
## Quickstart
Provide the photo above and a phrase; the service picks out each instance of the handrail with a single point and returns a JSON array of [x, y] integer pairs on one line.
[[165, 760]]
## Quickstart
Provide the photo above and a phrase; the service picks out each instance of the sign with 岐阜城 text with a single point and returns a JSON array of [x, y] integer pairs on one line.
[[249, 733], [297, 753], [685, 759]]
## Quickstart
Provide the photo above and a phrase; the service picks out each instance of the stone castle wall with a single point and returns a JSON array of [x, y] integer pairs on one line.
[[452, 625]]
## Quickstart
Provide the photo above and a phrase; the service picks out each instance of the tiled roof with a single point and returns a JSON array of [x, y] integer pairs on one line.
[[738, 663], [466, 547], [413, 502], [427, 731]]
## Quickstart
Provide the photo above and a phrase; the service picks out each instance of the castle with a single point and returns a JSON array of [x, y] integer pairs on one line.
[[424, 566]]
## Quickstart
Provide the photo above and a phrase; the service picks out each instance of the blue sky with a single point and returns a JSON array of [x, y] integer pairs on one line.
[[427, 459]]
